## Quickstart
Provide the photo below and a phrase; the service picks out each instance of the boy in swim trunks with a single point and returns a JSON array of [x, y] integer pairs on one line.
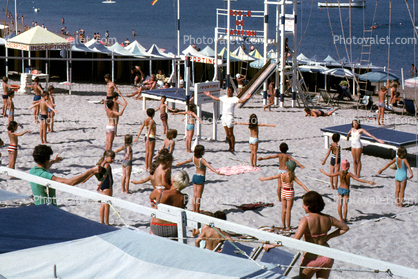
[[110, 87], [163, 107], [381, 104], [13, 137], [37, 89], [51, 114], [6, 89], [43, 106]]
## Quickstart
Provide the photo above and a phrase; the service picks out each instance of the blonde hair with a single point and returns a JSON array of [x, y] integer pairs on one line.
[[180, 180]]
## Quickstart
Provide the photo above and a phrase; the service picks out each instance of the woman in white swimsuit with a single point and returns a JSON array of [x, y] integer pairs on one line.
[[356, 146]]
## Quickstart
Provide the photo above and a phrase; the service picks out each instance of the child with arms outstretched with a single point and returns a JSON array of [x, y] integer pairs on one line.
[[335, 151]]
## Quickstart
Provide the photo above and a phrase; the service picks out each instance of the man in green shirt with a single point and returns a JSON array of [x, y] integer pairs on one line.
[[42, 156]]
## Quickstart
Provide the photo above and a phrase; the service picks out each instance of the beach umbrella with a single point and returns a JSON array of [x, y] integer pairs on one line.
[[339, 72], [312, 68], [256, 54], [378, 76], [240, 53], [208, 51], [224, 53], [258, 64], [411, 82]]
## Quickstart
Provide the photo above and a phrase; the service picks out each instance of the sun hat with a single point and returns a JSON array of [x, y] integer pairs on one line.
[[345, 164], [291, 165]]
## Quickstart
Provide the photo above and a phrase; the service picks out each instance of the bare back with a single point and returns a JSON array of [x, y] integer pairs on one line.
[[254, 132], [382, 95], [283, 158], [13, 138], [317, 229]]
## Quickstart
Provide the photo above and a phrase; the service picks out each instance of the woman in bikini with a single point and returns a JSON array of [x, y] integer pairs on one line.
[[200, 175], [356, 146], [314, 228], [151, 127], [112, 116], [190, 118]]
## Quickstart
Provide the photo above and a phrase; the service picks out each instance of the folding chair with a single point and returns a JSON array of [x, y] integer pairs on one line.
[[231, 250], [277, 256], [327, 97]]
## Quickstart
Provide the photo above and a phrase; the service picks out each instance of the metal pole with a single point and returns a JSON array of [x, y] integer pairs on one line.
[[113, 66], [178, 42], [228, 58], [187, 87], [282, 54], [266, 26], [7, 62], [16, 15], [277, 76], [294, 62]]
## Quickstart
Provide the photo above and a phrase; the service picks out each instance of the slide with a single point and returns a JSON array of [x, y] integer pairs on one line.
[[256, 82]]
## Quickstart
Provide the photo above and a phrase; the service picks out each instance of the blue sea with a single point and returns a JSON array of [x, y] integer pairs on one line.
[[157, 25]]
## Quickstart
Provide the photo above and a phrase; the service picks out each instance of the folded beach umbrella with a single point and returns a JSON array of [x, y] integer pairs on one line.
[[378, 76], [312, 68]]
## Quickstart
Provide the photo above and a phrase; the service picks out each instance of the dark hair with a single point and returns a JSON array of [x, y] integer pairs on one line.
[[42, 153], [230, 87], [164, 157], [10, 93], [128, 139], [153, 167], [344, 175], [133, 68], [5, 79], [36, 79], [109, 104], [283, 147], [358, 121], [401, 152], [50, 88], [45, 94], [150, 112], [291, 175], [107, 76], [199, 150], [314, 202], [12, 125], [192, 107], [171, 134], [307, 109], [115, 95], [336, 137], [107, 153], [220, 215], [253, 122], [163, 96]]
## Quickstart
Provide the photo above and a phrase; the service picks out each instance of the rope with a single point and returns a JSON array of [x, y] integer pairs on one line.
[[120, 217]]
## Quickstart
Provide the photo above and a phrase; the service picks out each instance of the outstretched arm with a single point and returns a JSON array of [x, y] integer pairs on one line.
[[266, 125], [348, 135], [330, 174], [140, 131], [119, 113], [245, 99], [142, 181], [373, 137], [179, 112], [34, 105], [241, 123], [388, 165], [269, 177], [301, 184], [197, 117], [361, 180], [51, 107], [185, 162], [297, 163], [79, 178], [21, 134], [269, 157], [203, 161], [207, 93]]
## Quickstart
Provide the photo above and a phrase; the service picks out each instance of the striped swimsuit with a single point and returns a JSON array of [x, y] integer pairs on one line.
[[12, 148], [287, 189]]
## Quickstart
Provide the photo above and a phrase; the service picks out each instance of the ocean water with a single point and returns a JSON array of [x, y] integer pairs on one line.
[[157, 25]]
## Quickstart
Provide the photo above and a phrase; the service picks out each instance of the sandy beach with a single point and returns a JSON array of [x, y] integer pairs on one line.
[[378, 228]]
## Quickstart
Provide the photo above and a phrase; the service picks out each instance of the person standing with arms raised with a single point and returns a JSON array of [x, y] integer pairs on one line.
[[228, 109]]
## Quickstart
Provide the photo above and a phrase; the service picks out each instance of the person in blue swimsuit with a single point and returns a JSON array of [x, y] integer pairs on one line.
[[401, 176], [106, 184], [199, 176], [335, 151]]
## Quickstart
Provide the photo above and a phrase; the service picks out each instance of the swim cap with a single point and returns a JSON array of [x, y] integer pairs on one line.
[[345, 164], [291, 165], [238, 75]]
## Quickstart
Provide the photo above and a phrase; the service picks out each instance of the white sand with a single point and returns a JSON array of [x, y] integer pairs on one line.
[[80, 139]]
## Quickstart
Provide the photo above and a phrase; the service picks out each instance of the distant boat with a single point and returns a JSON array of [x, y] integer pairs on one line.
[[109, 2], [354, 4], [36, 10]]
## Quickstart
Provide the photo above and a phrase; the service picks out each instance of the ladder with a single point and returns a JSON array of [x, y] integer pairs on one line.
[[302, 93], [365, 58]]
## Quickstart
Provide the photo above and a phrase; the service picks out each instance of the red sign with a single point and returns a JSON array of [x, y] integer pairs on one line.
[[247, 33], [240, 13]]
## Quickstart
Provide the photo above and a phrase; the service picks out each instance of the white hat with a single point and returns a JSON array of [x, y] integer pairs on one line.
[[238, 75]]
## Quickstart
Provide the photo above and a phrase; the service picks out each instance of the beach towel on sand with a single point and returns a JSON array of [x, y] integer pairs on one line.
[[236, 169]]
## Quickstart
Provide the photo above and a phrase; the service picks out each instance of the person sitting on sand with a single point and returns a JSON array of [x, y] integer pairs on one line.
[[344, 188], [149, 84], [42, 156], [210, 237], [314, 228], [316, 112], [171, 196]]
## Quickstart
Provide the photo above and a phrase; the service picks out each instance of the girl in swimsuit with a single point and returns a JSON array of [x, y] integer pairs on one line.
[[190, 116], [150, 177], [126, 163], [163, 107], [401, 176], [334, 166], [148, 123], [169, 142], [285, 192], [112, 116], [253, 126], [12, 150], [356, 146], [199, 176], [344, 189], [106, 184]]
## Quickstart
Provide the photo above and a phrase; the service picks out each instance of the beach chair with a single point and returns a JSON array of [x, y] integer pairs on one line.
[[409, 106], [365, 102], [280, 257], [231, 250], [326, 97]]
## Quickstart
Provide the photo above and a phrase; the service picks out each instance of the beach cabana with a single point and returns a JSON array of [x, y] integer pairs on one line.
[[224, 53], [135, 46], [157, 52], [207, 51], [302, 59], [240, 53], [329, 61], [128, 254], [37, 39], [256, 54], [96, 46], [117, 49], [339, 72], [378, 76]]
